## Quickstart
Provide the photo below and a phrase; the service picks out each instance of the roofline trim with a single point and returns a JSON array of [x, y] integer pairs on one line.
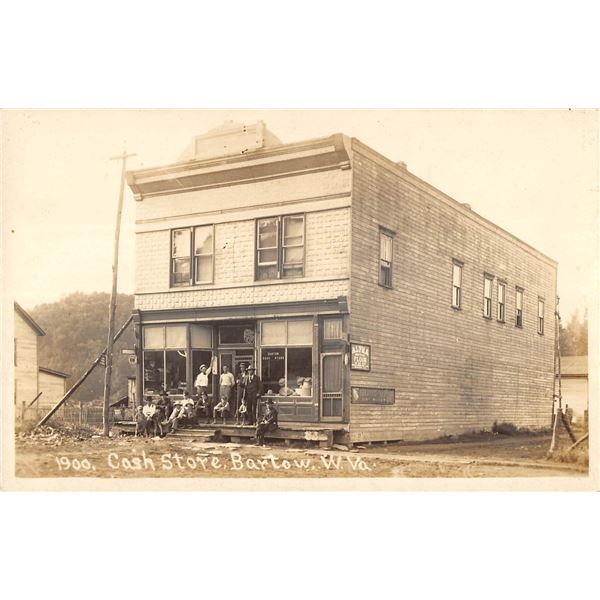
[[29, 319]]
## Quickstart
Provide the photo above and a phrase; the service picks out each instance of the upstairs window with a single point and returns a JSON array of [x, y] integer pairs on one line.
[[519, 308], [501, 301], [180, 257], [203, 254], [280, 245], [184, 270], [386, 254], [540, 316], [487, 296], [456, 284]]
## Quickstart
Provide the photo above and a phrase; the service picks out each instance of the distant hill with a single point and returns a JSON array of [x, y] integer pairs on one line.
[[76, 332]]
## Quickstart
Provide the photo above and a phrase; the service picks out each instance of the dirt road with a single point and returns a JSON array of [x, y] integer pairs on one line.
[[135, 457]]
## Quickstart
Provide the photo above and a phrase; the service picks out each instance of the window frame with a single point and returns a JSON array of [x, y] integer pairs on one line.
[[519, 292], [387, 233], [487, 300], [191, 257], [280, 248], [501, 306], [541, 318], [460, 265], [195, 256]]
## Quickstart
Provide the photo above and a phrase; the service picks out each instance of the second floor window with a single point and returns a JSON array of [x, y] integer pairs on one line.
[[196, 242], [280, 247], [456, 284], [386, 253], [519, 310], [501, 301], [487, 296]]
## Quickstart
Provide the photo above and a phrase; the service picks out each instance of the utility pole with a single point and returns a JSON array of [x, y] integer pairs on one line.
[[113, 299]]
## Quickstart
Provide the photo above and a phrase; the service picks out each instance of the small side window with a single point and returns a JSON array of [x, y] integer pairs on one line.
[[457, 268]]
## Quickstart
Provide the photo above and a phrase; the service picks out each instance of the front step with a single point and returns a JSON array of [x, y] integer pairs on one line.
[[201, 435]]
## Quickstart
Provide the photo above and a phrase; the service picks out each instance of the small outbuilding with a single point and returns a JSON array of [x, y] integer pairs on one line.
[[574, 380]]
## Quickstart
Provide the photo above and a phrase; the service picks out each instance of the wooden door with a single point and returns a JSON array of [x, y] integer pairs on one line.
[[332, 386]]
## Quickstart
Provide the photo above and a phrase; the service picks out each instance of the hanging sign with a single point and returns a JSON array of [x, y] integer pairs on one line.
[[360, 357]]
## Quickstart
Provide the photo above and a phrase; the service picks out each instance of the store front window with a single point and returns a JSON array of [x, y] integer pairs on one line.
[[166, 351], [286, 358]]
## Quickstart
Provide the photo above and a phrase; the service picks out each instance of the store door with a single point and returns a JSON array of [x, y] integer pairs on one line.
[[332, 387], [233, 359]]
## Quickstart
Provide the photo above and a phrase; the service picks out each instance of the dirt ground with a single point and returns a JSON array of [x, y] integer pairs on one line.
[[125, 457]]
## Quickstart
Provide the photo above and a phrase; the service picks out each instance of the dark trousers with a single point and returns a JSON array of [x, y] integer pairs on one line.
[[251, 414], [262, 429]]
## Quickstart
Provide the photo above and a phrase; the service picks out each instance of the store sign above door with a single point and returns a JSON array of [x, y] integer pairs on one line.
[[360, 357], [361, 395]]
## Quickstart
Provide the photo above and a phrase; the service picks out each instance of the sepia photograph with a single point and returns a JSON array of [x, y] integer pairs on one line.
[[275, 299]]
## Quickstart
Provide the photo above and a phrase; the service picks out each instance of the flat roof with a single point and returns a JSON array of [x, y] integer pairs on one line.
[[53, 372]]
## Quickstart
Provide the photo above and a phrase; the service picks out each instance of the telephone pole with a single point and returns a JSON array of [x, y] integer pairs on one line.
[[113, 299]]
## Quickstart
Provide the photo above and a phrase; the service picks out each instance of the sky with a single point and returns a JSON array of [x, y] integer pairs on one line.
[[532, 172]]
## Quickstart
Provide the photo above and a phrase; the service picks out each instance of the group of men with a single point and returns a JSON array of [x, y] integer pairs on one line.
[[242, 393], [247, 387]]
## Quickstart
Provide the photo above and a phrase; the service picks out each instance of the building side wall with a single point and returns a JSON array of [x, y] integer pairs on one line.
[[327, 268], [452, 370], [52, 388], [575, 395], [26, 369]]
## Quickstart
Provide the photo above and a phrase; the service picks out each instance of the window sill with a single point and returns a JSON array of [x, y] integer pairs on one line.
[[457, 308], [487, 318], [501, 321], [385, 287]]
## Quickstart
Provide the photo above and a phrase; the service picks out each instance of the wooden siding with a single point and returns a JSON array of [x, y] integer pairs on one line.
[[26, 369], [52, 388], [453, 370]]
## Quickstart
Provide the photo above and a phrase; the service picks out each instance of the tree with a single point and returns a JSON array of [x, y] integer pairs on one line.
[[76, 329], [574, 337]]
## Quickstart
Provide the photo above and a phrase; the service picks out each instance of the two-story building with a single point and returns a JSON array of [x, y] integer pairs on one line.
[[370, 302]]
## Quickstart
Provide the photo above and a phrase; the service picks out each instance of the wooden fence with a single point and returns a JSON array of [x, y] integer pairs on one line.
[[74, 416]]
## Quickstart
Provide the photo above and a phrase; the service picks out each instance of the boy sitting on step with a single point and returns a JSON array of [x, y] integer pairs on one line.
[[241, 413], [222, 408]]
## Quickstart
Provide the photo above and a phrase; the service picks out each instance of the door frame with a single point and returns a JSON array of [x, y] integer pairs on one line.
[[330, 419]]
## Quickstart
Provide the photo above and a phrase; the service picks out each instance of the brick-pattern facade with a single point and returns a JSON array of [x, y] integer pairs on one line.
[[327, 266], [453, 370]]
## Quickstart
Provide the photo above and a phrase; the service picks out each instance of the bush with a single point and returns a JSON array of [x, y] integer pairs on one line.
[[505, 428]]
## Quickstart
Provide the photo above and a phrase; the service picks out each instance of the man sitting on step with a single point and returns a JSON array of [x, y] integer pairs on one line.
[[222, 408], [267, 424]]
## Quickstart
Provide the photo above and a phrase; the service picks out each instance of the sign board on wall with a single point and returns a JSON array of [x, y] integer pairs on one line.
[[360, 357], [361, 395]]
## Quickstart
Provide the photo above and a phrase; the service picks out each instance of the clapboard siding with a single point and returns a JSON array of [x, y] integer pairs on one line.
[[453, 370], [26, 368]]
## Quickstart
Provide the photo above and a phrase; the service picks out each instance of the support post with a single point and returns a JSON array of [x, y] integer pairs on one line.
[[113, 301], [83, 377]]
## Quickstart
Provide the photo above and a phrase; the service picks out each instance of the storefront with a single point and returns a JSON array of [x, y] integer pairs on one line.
[[301, 361]]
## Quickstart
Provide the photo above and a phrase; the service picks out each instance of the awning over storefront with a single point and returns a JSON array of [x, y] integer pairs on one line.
[[251, 311]]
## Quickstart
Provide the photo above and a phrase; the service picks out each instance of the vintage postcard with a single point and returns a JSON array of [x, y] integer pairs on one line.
[[299, 299]]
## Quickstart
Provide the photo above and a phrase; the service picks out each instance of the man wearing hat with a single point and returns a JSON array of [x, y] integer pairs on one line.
[[253, 390], [240, 386], [267, 423], [201, 385]]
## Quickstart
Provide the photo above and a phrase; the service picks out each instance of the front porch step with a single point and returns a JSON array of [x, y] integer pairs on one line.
[[208, 433]]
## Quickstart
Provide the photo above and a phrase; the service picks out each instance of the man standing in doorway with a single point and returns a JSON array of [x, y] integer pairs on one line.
[[240, 387], [226, 383], [253, 392]]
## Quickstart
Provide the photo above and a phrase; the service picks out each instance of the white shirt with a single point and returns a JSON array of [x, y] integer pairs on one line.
[[149, 410], [227, 379], [202, 379]]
